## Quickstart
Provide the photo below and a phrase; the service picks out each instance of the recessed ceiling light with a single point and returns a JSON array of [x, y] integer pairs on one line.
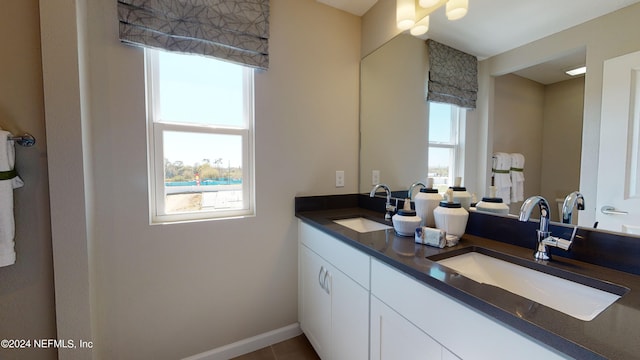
[[577, 71]]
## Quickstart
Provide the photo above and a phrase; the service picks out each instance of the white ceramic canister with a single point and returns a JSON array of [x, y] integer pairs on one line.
[[451, 217], [426, 201], [493, 204], [405, 222], [460, 194]]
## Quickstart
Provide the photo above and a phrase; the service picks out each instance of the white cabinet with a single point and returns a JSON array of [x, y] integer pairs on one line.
[[333, 306], [394, 337], [457, 327], [353, 307], [349, 318]]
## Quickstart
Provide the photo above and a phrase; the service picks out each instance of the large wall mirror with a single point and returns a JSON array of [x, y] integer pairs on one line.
[[556, 124], [393, 114], [537, 112]]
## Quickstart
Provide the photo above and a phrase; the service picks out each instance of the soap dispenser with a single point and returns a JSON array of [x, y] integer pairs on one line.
[[461, 194], [493, 204], [451, 217], [426, 201]]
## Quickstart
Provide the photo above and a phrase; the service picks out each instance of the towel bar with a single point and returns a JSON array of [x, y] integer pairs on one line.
[[26, 140]]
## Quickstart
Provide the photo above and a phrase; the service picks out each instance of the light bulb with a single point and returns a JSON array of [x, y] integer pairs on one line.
[[428, 3], [421, 27], [456, 9], [405, 14]]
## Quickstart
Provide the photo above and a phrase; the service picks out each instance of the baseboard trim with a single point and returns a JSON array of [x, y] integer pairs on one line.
[[250, 344]]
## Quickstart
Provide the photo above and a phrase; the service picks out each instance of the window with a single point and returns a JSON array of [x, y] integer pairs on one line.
[[200, 114], [445, 153]]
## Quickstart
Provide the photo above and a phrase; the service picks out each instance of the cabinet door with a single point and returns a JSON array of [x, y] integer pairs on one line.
[[465, 331], [315, 314], [394, 337], [349, 318]]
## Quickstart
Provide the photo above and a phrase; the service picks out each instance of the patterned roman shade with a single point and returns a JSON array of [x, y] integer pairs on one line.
[[233, 30], [453, 76]]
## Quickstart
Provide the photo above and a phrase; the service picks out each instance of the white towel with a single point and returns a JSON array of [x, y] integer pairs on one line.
[[517, 177], [7, 225], [502, 180]]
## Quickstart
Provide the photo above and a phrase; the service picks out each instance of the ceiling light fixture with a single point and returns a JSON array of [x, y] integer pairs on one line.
[[577, 71], [421, 27], [415, 17], [405, 14]]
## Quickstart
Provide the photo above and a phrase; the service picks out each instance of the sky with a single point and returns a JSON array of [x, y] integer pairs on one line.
[[199, 90], [440, 131]]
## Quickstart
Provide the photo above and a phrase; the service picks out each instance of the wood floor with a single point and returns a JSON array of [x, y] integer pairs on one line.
[[297, 348]]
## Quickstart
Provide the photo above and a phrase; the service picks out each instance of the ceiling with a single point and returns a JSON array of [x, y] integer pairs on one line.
[[554, 70], [492, 27], [356, 7]]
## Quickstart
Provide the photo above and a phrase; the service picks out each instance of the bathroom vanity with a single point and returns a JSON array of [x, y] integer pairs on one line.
[[370, 294]]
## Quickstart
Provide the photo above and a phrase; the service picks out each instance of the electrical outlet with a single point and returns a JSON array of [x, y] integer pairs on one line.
[[375, 177], [340, 178]]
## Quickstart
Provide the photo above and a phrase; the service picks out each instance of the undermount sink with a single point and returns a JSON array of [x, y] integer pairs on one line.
[[581, 297], [362, 225]]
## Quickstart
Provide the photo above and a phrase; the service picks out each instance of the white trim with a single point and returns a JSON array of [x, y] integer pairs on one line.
[[66, 74], [156, 129], [461, 139], [248, 154], [250, 344], [153, 162], [456, 142]]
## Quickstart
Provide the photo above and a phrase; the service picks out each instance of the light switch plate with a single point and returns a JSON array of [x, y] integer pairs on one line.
[[339, 178], [375, 177]]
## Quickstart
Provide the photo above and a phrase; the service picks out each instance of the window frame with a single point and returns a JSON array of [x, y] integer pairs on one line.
[[155, 149], [457, 141]]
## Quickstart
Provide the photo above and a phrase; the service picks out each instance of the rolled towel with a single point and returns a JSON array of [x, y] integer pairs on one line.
[[517, 177], [501, 174], [9, 180]]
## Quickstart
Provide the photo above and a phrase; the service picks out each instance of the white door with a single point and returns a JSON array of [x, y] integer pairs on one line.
[[618, 199]]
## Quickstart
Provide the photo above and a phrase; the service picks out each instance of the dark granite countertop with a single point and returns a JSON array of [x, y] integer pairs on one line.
[[613, 334]]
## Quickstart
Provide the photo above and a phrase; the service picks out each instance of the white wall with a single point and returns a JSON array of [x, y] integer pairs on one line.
[[378, 25], [393, 113], [518, 127], [169, 291], [544, 123], [562, 141]]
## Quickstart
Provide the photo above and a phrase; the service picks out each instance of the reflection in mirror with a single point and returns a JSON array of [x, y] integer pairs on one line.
[[397, 141], [538, 112], [393, 113], [606, 38]]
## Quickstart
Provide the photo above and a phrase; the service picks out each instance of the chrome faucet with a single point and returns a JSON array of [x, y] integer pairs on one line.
[[388, 207], [417, 183], [542, 252], [575, 199], [544, 236]]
